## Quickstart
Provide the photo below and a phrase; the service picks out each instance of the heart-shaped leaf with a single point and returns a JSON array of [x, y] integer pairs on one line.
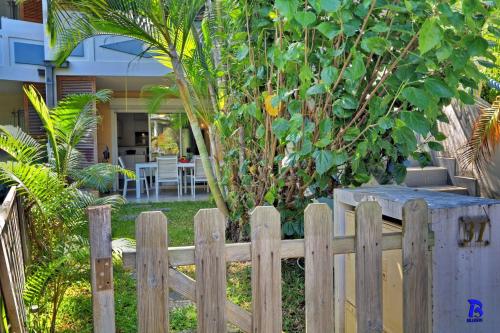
[[305, 18], [328, 29]]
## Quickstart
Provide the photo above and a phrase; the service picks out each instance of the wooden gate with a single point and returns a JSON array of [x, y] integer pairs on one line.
[[156, 269], [13, 251]]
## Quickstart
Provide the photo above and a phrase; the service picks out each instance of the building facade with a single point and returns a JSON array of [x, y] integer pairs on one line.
[[105, 62]]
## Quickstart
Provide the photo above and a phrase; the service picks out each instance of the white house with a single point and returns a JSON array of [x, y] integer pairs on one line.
[[105, 62]]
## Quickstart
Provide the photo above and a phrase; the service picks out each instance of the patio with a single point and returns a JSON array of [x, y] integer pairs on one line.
[[167, 194]]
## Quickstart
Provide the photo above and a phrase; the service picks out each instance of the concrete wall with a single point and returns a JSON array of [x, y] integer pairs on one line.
[[458, 130]]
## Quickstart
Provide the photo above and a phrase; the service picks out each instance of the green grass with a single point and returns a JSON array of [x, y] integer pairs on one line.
[[180, 216], [76, 310]]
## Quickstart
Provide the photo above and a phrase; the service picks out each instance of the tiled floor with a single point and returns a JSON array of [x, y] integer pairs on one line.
[[167, 195]]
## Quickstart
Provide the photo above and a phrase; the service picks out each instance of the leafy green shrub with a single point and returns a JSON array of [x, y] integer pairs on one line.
[[320, 94]]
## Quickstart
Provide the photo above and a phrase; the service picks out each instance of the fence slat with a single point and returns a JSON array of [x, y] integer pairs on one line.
[[152, 272], [209, 228], [13, 308], [415, 267], [318, 235], [266, 270], [369, 267], [101, 267]]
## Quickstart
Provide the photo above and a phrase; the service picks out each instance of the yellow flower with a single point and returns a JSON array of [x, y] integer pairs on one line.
[[272, 111]]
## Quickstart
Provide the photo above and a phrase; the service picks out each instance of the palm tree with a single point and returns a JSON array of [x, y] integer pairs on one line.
[[484, 139], [51, 176], [56, 187], [166, 26]]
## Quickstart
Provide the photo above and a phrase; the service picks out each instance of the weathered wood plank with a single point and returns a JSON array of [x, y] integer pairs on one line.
[[101, 267], [23, 231], [184, 255], [416, 300], [152, 273], [186, 286], [318, 236], [209, 230], [369, 267], [266, 270], [12, 306]]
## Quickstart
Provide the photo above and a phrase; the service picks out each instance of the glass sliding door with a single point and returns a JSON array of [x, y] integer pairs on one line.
[[170, 135]]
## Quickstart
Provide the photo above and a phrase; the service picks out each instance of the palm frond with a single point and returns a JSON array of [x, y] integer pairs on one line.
[[72, 159], [100, 176], [156, 94], [120, 244], [484, 139], [114, 201], [74, 116], [43, 112], [39, 279], [160, 24], [39, 183], [19, 145]]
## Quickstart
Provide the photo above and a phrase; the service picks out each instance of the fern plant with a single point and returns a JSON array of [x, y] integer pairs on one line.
[[57, 188]]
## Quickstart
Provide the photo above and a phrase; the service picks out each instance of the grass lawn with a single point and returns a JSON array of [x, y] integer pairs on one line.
[[76, 311]]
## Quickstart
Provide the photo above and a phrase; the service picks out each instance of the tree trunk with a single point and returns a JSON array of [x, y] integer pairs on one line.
[[182, 84], [215, 148]]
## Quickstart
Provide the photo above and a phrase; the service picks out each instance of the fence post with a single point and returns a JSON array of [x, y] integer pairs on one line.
[[210, 261], [23, 231], [318, 236], [101, 268], [152, 272], [416, 279], [369, 267], [266, 270]]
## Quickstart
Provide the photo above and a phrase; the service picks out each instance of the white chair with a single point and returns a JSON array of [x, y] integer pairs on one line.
[[139, 178], [167, 172], [199, 175]]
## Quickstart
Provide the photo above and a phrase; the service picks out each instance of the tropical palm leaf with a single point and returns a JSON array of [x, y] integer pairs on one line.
[[43, 112], [100, 176], [156, 94], [484, 139], [164, 25], [121, 244], [74, 116], [19, 145], [39, 183], [38, 280]]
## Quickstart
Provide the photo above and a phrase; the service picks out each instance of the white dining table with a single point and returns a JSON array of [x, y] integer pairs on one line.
[[150, 168]]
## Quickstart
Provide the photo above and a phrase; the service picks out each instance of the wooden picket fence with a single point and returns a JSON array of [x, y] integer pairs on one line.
[[13, 253], [156, 263]]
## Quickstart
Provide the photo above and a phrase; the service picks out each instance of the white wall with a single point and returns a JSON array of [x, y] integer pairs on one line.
[[96, 61], [18, 31], [9, 102], [99, 61]]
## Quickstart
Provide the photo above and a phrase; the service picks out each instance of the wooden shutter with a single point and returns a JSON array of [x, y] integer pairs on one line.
[[31, 10], [33, 124], [67, 85]]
